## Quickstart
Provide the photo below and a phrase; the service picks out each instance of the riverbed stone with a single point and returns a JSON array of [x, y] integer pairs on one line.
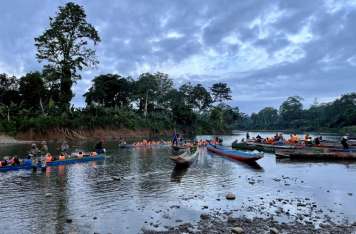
[[204, 216], [273, 231], [237, 230], [230, 196], [48, 194], [115, 178]]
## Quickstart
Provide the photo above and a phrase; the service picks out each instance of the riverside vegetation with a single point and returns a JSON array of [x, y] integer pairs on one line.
[[40, 101]]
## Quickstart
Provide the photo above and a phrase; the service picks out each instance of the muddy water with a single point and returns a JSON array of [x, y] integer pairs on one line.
[[86, 198]]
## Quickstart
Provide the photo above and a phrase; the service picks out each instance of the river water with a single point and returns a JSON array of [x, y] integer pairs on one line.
[[85, 198]]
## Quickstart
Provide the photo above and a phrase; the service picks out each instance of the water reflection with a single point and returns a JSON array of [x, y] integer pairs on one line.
[[178, 173], [150, 185]]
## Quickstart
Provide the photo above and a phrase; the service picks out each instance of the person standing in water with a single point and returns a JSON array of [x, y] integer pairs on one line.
[[344, 143], [99, 149]]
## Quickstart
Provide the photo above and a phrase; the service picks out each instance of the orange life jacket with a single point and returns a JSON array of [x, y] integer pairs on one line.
[[49, 158]]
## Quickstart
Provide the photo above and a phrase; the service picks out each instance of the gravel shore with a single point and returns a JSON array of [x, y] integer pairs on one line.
[[213, 224]]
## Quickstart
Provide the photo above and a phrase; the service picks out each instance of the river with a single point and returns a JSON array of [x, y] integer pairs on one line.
[[153, 195]]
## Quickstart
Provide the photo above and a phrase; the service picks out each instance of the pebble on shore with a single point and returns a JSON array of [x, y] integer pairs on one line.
[[237, 230], [230, 196]]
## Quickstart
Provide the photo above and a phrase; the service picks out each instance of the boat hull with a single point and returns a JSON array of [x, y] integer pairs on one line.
[[234, 154], [16, 168], [75, 160]]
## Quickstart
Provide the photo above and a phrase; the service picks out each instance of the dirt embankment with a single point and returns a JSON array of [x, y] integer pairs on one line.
[[99, 133]]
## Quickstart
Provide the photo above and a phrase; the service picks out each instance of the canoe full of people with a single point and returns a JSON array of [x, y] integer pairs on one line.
[[39, 157], [298, 147]]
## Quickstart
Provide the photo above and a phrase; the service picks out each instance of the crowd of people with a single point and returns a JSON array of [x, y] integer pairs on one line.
[[279, 139], [39, 154]]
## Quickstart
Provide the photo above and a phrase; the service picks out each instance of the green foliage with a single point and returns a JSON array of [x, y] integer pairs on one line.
[[221, 92], [65, 45]]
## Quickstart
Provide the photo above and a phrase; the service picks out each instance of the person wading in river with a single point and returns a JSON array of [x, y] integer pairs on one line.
[[344, 142]]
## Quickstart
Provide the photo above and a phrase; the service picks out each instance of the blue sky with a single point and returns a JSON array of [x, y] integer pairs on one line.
[[265, 50]]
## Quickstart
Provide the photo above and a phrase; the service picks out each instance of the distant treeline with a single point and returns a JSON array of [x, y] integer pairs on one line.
[[336, 115], [40, 101]]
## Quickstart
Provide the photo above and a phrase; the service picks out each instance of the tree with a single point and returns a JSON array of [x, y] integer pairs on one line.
[[291, 112], [201, 98], [109, 91], [66, 46], [220, 92], [9, 95], [267, 118], [151, 90], [32, 91]]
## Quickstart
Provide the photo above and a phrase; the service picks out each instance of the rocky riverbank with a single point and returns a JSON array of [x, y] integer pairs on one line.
[[209, 223]]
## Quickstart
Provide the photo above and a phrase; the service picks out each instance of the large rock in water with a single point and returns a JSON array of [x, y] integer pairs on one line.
[[230, 196], [237, 230]]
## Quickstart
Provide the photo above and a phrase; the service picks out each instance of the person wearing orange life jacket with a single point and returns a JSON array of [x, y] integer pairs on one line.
[[49, 157], [62, 156]]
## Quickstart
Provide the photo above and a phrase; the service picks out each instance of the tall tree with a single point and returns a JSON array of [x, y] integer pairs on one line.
[[32, 90], [201, 97], [110, 90], [221, 92], [9, 95], [68, 47], [291, 112]]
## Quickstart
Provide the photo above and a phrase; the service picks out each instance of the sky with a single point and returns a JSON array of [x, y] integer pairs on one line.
[[266, 50]]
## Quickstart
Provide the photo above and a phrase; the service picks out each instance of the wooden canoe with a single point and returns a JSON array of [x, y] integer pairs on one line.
[[26, 165], [185, 159], [234, 154], [75, 160], [264, 147], [313, 154]]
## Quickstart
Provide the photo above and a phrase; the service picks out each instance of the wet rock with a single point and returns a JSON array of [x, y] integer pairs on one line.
[[69, 220], [204, 216], [94, 218], [48, 194], [237, 230], [273, 231], [230, 196], [205, 207], [350, 194], [115, 178]]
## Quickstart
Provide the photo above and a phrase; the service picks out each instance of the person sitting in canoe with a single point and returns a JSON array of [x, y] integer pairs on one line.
[[317, 141], [64, 147], [99, 149], [62, 156], [258, 138], [49, 158], [34, 150], [307, 139], [44, 147], [3, 163]]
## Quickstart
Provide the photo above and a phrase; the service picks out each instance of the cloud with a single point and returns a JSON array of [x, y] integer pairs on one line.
[[265, 50]]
